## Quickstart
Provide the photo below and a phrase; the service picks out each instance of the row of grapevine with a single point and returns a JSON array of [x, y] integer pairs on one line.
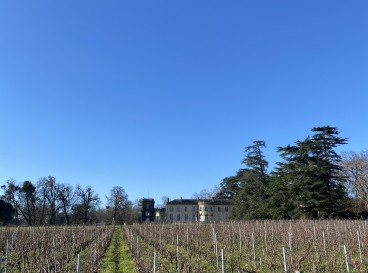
[[53, 249], [251, 246]]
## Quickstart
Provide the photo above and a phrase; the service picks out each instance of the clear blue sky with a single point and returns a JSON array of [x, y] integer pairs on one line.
[[161, 97]]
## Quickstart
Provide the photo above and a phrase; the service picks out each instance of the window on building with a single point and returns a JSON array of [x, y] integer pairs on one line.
[[185, 209], [178, 217], [211, 208], [147, 206], [200, 208], [171, 209], [186, 217], [226, 208], [206, 208], [219, 217], [171, 217], [194, 218], [178, 208], [148, 213], [206, 217], [218, 208]]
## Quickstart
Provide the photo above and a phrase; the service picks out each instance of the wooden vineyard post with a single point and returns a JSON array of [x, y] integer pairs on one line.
[[284, 259], [216, 252], [346, 260], [222, 260], [253, 249], [177, 252], [315, 239], [53, 253], [290, 234], [154, 262], [78, 264], [137, 249], [12, 244], [6, 256], [360, 248], [324, 244]]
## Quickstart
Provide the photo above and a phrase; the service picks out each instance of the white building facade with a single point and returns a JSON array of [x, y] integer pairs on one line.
[[185, 210]]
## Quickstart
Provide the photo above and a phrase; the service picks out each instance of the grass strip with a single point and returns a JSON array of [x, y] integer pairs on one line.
[[117, 258]]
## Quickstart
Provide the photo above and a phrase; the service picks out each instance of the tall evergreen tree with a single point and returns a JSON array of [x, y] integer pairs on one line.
[[254, 157], [278, 203], [252, 181], [310, 171], [229, 187]]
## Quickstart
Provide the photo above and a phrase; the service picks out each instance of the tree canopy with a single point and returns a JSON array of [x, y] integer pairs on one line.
[[307, 183]]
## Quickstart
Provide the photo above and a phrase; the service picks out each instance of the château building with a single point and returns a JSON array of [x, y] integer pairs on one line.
[[184, 210]]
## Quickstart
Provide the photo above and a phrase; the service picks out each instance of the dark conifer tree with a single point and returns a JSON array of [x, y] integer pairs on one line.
[[251, 195], [310, 171]]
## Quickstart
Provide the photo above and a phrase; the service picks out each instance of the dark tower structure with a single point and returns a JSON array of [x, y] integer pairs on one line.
[[148, 209]]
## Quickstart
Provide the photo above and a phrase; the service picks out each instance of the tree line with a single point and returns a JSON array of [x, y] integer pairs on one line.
[[49, 202], [312, 181]]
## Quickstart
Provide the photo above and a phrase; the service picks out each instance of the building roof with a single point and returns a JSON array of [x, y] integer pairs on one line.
[[196, 201], [147, 200]]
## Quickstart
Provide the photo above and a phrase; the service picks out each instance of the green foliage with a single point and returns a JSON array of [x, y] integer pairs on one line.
[[310, 171], [255, 158], [250, 198], [278, 204], [229, 187], [306, 184], [6, 212], [248, 187]]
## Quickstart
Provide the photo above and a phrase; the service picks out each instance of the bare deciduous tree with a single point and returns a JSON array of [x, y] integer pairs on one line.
[[118, 203], [355, 173], [66, 196], [206, 194], [50, 192], [87, 200]]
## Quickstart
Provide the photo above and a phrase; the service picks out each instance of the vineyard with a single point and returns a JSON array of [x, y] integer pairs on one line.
[[242, 246], [53, 250], [251, 246]]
